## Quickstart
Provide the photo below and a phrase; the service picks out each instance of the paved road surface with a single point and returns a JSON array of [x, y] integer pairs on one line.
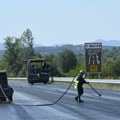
[[26, 97]]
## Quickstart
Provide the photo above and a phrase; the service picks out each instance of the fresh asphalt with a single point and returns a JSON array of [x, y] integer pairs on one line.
[[32, 102]]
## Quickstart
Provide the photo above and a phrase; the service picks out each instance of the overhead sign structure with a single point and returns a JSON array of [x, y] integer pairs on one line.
[[93, 57]]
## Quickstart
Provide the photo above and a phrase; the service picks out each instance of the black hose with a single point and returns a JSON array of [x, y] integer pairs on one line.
[[40, 104], [57, 99]]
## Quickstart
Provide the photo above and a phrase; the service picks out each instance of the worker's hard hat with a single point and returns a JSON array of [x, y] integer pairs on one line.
[[81, 71]]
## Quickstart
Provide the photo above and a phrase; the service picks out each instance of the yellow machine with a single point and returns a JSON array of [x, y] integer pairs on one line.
[[38, 70]]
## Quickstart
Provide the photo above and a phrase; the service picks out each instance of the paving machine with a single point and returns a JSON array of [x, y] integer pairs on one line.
[[38, 70], [6, 92]]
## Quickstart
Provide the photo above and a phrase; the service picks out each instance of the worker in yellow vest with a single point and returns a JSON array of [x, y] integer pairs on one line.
[[79, 81]]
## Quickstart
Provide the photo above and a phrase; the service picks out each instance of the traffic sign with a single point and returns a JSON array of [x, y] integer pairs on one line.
[[93, 57]]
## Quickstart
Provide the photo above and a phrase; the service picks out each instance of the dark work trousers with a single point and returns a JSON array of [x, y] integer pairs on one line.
[[80, 91]]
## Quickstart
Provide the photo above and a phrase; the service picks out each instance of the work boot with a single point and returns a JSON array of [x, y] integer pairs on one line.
[[79, 100], [76, 98]]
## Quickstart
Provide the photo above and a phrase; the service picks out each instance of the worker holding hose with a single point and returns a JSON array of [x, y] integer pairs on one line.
[[79, 81]]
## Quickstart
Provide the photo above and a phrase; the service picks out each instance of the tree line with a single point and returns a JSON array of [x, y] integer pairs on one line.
[[65, 63]]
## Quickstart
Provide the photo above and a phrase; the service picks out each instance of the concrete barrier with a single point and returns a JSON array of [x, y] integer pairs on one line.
[[70, 79]]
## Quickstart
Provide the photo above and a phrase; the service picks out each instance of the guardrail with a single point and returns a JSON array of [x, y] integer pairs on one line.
[[70, 79]]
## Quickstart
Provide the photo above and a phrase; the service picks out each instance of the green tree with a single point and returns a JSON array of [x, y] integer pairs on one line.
[[18, 50], [67, 60], [108, 69], [12, 54], [3, 65], [75, 71], [116, 69], [27, 43]]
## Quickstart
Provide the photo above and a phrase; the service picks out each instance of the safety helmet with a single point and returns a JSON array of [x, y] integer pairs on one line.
[[81, 71]]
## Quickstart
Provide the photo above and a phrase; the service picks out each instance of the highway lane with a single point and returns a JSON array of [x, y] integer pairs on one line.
[[26, 97]]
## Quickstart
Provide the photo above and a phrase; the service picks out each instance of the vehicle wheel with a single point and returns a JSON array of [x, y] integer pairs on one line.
[[11, 90], [32, 83]]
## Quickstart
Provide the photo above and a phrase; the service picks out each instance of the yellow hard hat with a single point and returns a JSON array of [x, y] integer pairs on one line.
[[81, 71]]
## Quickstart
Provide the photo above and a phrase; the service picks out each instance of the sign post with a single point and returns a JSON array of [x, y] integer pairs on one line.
[[93, 57]]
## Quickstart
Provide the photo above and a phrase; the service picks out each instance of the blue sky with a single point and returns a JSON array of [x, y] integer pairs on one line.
[[61, 21]]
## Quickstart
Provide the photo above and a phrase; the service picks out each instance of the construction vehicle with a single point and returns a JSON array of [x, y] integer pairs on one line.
[[6, 92], [38, 70]]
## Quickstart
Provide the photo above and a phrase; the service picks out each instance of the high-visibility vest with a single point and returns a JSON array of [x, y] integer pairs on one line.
[[76, 82]]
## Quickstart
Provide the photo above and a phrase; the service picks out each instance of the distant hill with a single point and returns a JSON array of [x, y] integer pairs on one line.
[[77, 49], [45, 48], [109, 42]]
